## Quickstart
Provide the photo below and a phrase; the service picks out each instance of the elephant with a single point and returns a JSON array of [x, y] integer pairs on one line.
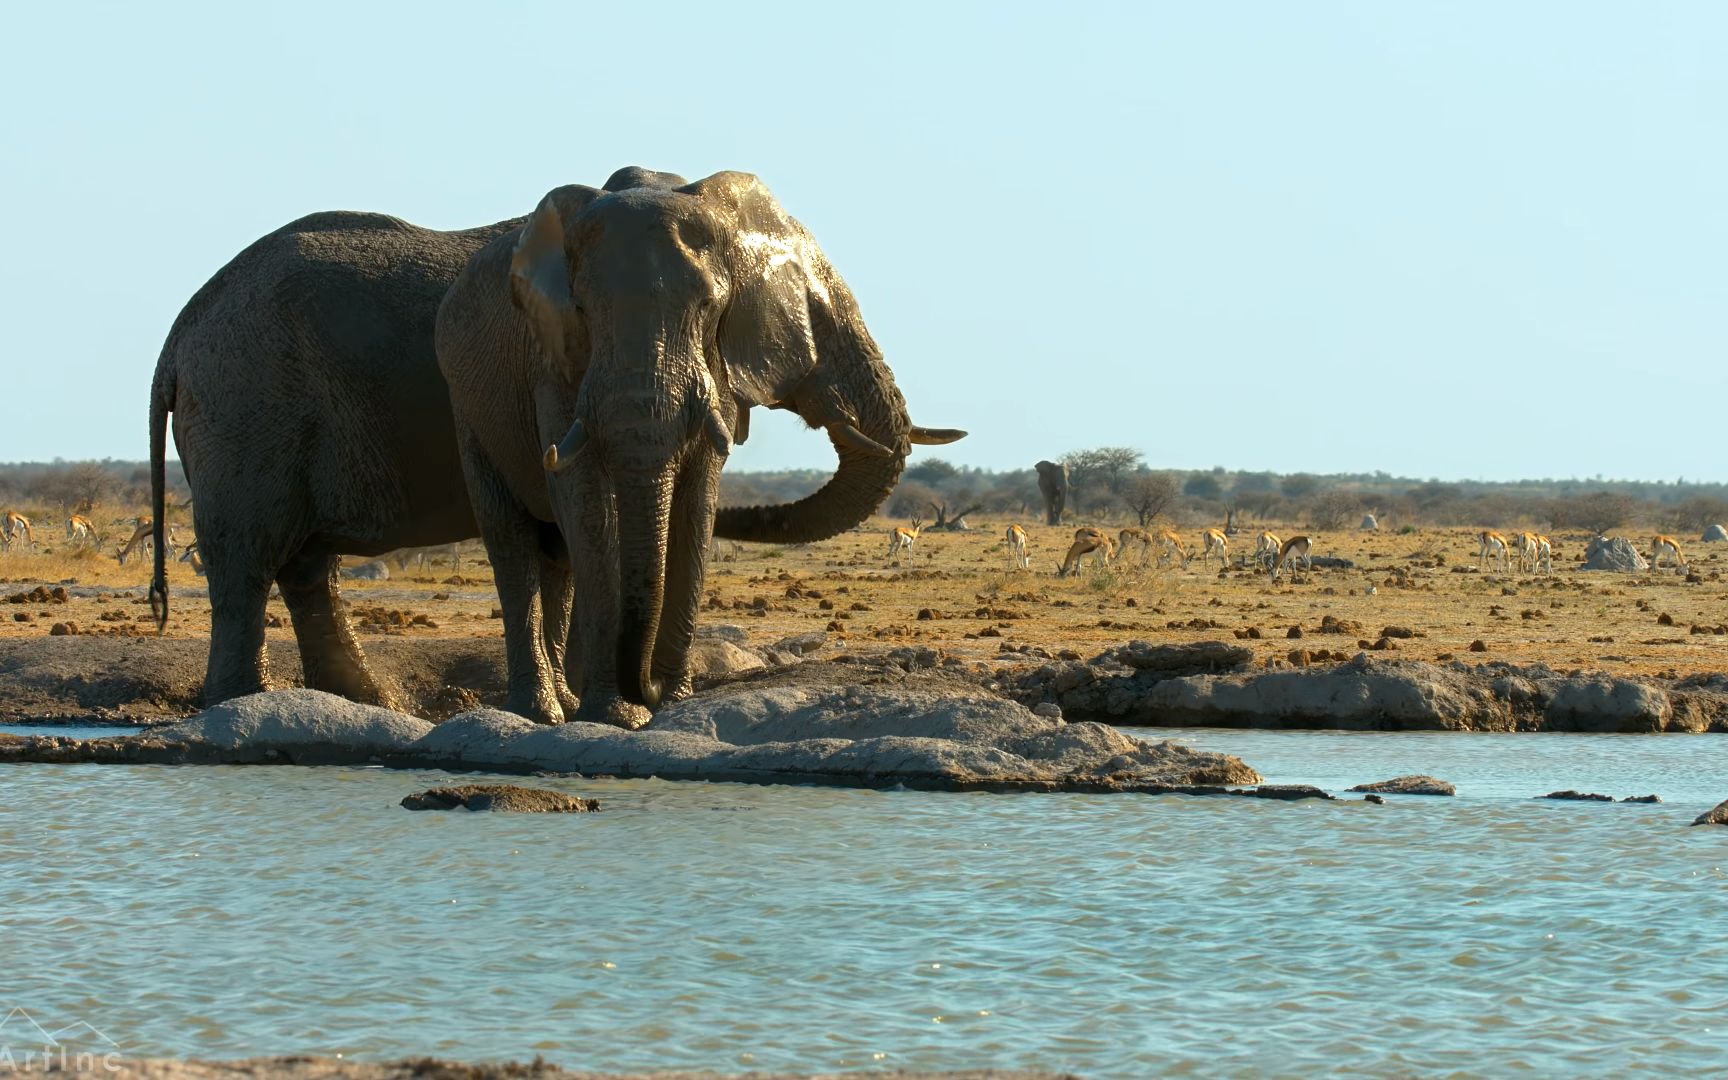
[[602, 363], [1053, 485], [312, 422]]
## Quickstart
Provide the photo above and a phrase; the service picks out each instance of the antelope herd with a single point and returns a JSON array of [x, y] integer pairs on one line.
[[1533, 552]]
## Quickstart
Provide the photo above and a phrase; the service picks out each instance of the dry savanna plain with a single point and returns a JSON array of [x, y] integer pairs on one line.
[[1418, 593]]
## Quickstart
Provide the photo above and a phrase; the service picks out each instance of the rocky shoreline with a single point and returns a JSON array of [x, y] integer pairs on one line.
[[323, 1068]]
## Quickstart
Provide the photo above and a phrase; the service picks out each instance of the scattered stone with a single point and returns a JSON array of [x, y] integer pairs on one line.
[[63, 629], [1478, 646], [1577, 796], [500, 798], [1399, 632], [1417, 784], [1293, 632], [1375, 799], [1715, 816], [1642, 799], [1288, 792]]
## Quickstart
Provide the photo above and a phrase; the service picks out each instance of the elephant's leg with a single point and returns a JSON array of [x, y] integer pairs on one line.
[[557, 596], [691, 528], [329, 654], [239, 589], [512, 537]]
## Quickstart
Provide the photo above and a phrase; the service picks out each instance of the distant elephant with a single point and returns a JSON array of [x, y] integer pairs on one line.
[[1053, 485], [602, 363], [312, 422]]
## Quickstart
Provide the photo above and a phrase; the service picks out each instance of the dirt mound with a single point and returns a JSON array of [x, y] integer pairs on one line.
[[1714, 534]]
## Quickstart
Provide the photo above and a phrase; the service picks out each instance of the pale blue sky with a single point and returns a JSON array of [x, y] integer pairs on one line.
[[1454, 240]]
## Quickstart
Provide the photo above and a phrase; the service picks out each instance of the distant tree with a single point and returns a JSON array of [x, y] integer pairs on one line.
[[1203, 486], [1697, 513], [1299, 485], [1334, 510], [1255, 483], [1597, 512], [931, 471], [1100, 472], [910, 500], [1149, 494]]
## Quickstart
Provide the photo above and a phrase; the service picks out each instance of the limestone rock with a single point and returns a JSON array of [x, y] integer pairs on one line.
[[1616, 554], [1576, 796], [367, 571], [1714, 534], [1409, 785], [501, 798], [303, 726], [1606, 704], [715, 657]]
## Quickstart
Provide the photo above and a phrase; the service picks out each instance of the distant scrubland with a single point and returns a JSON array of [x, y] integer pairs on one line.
[[1109, 484]]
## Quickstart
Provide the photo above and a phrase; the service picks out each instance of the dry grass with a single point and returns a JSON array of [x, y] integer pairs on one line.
[[959, 593]]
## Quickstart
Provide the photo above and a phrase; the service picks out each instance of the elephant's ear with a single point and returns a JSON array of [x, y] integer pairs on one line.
[[766, 333], [540, 276]]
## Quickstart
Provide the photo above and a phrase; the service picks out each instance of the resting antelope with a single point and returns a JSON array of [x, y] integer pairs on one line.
[[15, 525], [141, 535], [1527, 551], [1087, 541], [1297, 547], [1017, 553], [80, 529], [901, 539], [1266, 548], [1215, 543], [1662, 547], [1544, 554], [1493, 542]]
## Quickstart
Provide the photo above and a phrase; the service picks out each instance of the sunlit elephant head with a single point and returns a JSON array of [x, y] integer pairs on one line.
[[680, 308]]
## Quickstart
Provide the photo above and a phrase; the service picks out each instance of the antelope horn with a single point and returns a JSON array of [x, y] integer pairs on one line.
[[560, 454]]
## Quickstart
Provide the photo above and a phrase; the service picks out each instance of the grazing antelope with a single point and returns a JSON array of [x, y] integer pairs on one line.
[[421, 557], [901, 539], [1266, 547], [1132, 535], [1214, 542], [1087, 541], [1493, 542], [1017, 553], [1170, 547], [189, 554], [1662, 547], [79, 529], [1527, 551], [1544, 554], [1297, 547], [141, 536], [14, 525]]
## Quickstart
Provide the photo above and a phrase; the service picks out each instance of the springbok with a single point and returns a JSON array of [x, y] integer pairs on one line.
[[1662, 547], [901, 539], [1266, 547], [189, 554], [1087, 541], [1544, 554], [1132, 535], [142, 536], [1215, 543], [14, 525], [1170, 547], [1297, 547], [1492, 542], [1527, 551], [80, 529], [1017, 553]]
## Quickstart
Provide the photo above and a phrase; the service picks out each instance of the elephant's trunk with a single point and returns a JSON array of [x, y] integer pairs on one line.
[[643, 526], [853, 396]]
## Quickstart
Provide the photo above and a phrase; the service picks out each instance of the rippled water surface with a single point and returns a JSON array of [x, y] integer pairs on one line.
[[232, 911]]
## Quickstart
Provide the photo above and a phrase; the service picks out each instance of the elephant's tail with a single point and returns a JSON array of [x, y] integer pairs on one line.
[[161, 404]]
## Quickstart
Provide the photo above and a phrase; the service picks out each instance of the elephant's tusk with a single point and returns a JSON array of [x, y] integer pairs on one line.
[[927, 436], [560, 454], [857, 440]]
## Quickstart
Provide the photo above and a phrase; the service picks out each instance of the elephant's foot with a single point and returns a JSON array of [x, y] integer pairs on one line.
[[354, 682], [542, 708], [676, 690], [614, 711]]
